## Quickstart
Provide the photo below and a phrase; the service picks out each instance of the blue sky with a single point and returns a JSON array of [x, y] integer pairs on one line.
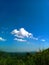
[[24, 25]]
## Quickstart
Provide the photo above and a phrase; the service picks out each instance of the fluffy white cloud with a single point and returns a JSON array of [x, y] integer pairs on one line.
[[2, 39], [21, 33], [21, 40], [43, 40]]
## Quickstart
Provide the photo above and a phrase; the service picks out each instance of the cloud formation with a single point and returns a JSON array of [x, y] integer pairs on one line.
[[21, 34], [2, 39], [34, 38], [43, 40], [21, 40]]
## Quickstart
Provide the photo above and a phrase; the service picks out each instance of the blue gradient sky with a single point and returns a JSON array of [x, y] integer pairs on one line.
[[32, 15]]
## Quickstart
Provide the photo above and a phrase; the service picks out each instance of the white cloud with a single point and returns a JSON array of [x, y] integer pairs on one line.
[[2, 39], [35, 38], [21, 40], [43, 40], [21, 33]]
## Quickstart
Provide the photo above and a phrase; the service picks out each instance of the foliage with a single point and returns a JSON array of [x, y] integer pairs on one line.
[[38, 58]]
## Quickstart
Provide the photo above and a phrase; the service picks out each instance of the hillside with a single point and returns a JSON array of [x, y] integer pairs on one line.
[[38, 58]]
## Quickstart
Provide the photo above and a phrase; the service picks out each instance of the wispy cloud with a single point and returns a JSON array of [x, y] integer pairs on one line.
[[43, 40], [21, 40], [35, 38], [2, 39]]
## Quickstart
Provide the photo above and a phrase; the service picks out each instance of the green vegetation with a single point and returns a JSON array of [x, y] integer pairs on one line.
[[38, 58]]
